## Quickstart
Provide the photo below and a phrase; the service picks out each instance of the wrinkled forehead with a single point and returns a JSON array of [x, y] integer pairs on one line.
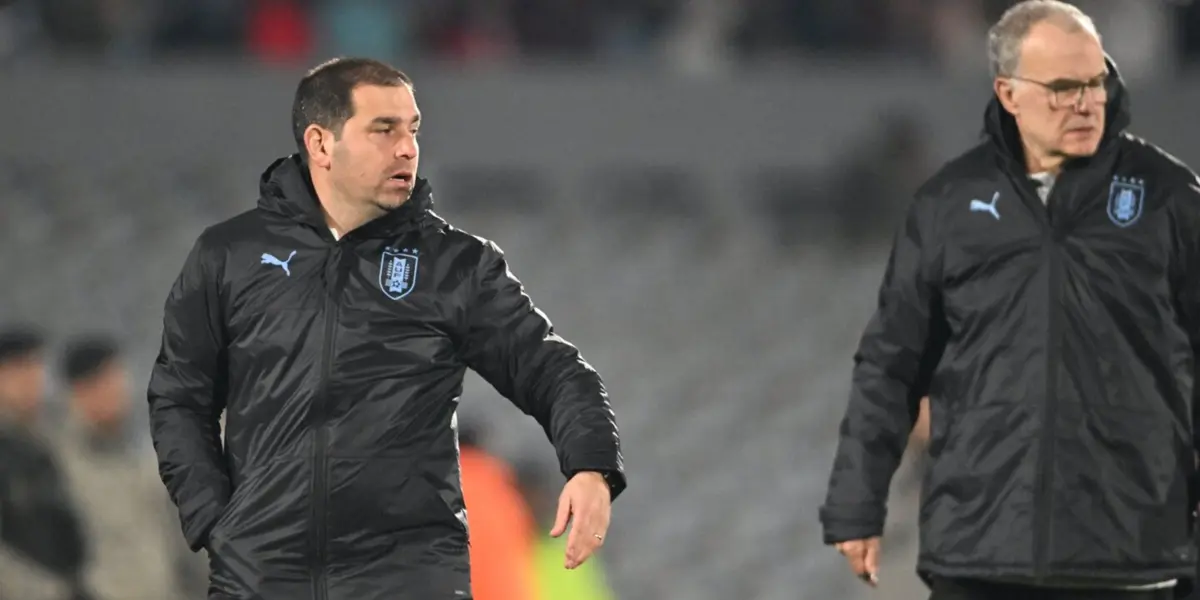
[[374, 101], [1052, 53]]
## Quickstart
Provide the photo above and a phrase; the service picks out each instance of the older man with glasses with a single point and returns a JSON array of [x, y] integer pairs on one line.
[[1044, 292]]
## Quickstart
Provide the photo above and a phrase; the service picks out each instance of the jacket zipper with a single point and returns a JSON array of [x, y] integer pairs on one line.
[[1043, 500], [321, 434]]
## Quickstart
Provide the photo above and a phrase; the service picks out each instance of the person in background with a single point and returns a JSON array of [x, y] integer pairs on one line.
[[137, 552], [552, 582], [41, 543], [502, 525]]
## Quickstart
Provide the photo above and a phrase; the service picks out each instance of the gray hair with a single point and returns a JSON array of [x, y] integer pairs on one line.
[[1007, 35]]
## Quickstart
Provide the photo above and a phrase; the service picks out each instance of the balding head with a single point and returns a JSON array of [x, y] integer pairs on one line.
[[1008, 35]]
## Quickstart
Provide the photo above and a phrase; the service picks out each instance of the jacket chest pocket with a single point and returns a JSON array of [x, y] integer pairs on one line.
[[408, 343], [978, 277]]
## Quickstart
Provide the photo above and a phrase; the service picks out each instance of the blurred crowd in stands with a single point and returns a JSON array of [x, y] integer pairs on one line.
[[1151, 36]]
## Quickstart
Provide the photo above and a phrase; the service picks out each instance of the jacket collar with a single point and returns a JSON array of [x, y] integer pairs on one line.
[[286, 189]]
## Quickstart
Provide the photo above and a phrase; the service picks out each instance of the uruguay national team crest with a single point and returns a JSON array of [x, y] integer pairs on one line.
[[397, 272], [1126, 196]]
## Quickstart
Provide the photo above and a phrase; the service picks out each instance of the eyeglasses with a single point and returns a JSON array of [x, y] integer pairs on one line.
[[1070, 92]]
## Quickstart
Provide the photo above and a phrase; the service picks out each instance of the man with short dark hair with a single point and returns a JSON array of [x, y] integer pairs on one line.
[[22, 375], [333, 325], [91, 368], [1044, 292], [136, 551]]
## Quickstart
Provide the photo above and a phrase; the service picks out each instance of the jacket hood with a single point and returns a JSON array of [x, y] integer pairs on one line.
[[286, 189], [1000, 128]]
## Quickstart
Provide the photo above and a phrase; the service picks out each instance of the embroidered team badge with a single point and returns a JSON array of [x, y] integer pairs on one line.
[[1126, 197], [397, 272]]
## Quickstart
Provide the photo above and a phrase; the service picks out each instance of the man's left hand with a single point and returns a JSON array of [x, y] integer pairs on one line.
[[586, 502]]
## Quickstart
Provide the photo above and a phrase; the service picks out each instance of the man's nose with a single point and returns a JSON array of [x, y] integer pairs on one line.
[[1087, 102], [407, 148]]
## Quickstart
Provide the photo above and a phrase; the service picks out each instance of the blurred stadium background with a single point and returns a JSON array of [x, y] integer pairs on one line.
[[700, 193]]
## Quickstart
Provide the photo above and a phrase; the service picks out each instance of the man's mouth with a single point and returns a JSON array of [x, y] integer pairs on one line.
[[403, 177]]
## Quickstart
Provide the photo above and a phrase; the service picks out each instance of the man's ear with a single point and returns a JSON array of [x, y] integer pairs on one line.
[[319, 143], [1007, 94]]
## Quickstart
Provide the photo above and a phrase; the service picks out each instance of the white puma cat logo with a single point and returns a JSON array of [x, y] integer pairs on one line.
[[981, 206], [268, 259]]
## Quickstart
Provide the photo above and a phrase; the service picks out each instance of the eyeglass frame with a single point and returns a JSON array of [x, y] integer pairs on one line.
[[1099, 83]]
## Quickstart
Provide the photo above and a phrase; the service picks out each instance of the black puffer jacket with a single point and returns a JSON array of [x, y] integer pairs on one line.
[[339, 365], [1057, 343]]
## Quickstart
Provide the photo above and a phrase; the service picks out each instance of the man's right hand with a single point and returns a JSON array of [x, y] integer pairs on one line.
[[863, 556]]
